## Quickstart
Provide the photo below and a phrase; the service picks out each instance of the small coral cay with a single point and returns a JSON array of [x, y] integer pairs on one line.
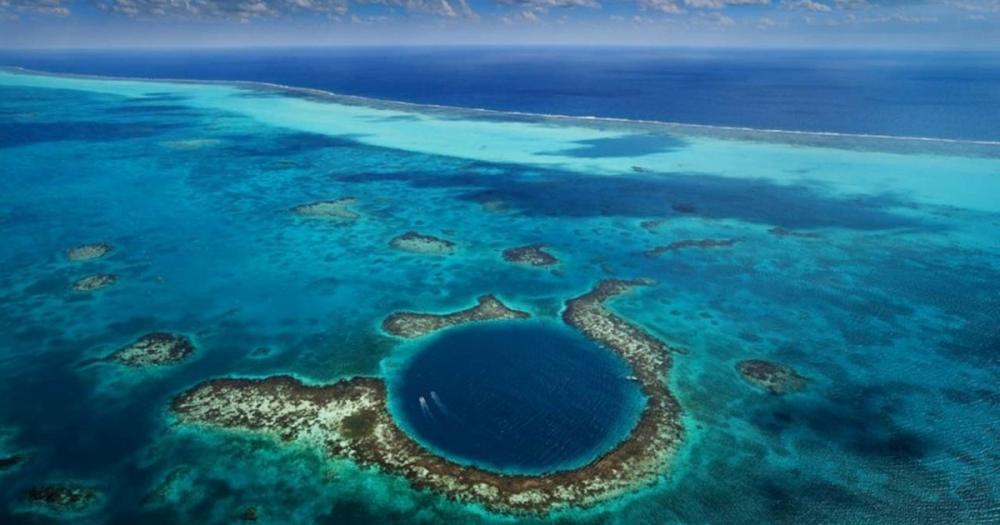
[[412, 241], [532, 255], [339, 209], [350, 419], [61, 498], [415, 324], [677, 246], [770, 376], [94, 282], [88, 252], [157, 348]]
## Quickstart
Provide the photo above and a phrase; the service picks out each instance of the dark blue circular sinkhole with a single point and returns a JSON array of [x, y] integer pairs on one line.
[[520, 397]]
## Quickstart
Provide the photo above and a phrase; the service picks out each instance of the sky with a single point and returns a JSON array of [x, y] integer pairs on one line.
[[867, 24]]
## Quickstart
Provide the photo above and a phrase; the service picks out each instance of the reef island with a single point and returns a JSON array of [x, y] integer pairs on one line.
[[350, 418]]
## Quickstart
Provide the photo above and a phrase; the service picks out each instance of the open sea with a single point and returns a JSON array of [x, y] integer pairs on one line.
[[836, 212]]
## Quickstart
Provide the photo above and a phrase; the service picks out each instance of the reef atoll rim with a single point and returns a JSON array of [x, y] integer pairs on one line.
[[775, 378], [415, 242], [60, 498], [95, 282], [350, 419], [154, 349], [88, 252], [531, 255], [416, 324], [337, 209]]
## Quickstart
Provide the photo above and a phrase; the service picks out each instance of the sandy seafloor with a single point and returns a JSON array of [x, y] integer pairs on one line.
[[886, 295]]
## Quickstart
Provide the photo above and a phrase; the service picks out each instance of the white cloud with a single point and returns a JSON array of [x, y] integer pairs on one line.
[[246, 10], [14, 8], [808, 5]]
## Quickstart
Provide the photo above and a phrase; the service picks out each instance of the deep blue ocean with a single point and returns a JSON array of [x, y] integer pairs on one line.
[[942, 95]]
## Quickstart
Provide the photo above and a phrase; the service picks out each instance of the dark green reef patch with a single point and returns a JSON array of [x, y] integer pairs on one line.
[[677, 246], [531, 255], [416, 324], [60, 499], [95, 282], [89, 252], [350, 419], [9, 462], [772, 377], [412, 241], [338, 209], [154, 349]]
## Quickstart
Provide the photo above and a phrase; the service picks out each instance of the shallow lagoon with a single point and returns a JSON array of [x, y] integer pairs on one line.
[[870, 266]]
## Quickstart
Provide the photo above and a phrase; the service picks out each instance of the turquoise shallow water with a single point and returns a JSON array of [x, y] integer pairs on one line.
[[872, 266]]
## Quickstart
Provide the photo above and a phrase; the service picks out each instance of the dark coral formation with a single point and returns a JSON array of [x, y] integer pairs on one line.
[[652, 224], [785, 232], [338, 209], [154, 349], [773, 377], [532, 255], [412, 241], [61, 498], [691, 243], [350, 419], [10, 462], [162, 492], [88, 252], [416, 324], [249, 514], [260, 352], [94, 282]]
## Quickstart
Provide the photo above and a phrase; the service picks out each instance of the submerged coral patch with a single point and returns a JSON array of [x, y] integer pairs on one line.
[[154, 349], [677, 246], [531, 255], [61, 498], [329, 209], [191, 144], [416, 324], [88, 252], [94, 282], [412, 241], [350, 419], [775, 378], [778, 231], [167, 488], [249, 514], [10, 462]]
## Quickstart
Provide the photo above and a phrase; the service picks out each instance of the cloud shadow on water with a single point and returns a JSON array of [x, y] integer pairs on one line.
[[562, 194], [625, 146], [13, 134]]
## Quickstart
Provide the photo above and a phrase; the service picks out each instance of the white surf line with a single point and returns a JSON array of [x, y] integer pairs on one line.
[[374, 103]]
